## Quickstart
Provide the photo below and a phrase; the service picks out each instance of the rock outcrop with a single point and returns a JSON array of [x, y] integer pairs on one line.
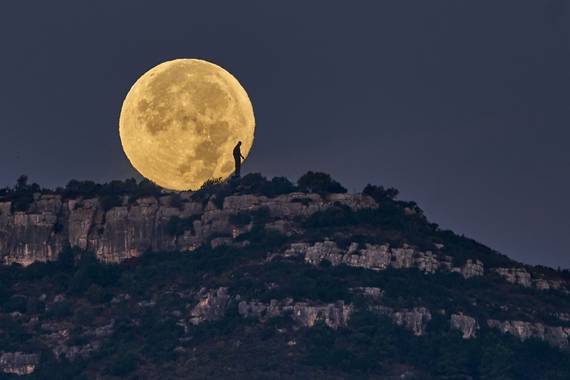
[[213, 304], [211, 307], [414, 320], [18, 363], [521, 276], [380, 257], [119, 233], [555, 335], [334, 315], [466, 324]]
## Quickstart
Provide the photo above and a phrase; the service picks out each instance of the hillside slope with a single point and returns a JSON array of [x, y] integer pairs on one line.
[[263, 279]]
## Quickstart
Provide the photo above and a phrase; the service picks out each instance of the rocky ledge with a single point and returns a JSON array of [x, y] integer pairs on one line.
[[128, 230]]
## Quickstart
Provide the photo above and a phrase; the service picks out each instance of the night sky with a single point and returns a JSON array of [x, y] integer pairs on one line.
[[463, 106]]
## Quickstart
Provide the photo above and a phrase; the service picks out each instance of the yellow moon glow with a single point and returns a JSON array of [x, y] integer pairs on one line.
[[181, 120]]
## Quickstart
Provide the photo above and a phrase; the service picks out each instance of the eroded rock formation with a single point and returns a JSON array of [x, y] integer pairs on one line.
[[119, 233], [466, 324], [555, 335], [18, 363], [521, 276], [380, 257]]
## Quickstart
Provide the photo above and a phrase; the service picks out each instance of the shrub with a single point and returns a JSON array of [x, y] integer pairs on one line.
[[109, 201], [240, 219], [380, 194], [84, 315], [176, 201], [215, 190], [37, 270], [259, 216], [22, 196], [278, 186], [16, 303], [60, 310], [75, 188], [253, 183], [340, 215], [4, 292], [146, 188], [66, 258], [96, 295], [123, 364], [321, 183], [22, 201], [35, 306]]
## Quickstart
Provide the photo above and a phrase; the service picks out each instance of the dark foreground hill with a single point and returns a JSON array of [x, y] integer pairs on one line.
[[258, 279]]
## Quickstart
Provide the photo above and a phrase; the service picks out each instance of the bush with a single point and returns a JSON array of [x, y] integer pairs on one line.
[[258, 216], [4, 292], [60, 310], [109, 201], [380, 194], [22, 196], [320, 183], [331, 217], [123, 364], [66, 258], [278, 186], [90, 189], [84, 316], [90, 271], [75, 188], [253, 183], [176, 201], [96, 295], [215, 190], [242, 218], [16, 303], [35, 306]]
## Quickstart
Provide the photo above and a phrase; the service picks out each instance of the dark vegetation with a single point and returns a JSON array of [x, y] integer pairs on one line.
[[148, 342], [320, 183], [373, 343], [176, 225], [21, 195]]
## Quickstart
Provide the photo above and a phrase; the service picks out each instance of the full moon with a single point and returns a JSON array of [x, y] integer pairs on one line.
[[181, 120]]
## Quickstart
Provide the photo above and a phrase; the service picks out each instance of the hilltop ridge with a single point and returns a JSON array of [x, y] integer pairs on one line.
[[282, 261]]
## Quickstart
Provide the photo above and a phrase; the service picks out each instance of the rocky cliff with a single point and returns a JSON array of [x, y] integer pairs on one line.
[[128, 230]]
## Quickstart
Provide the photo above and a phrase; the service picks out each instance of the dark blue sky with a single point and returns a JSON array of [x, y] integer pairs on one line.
[[463, 106]]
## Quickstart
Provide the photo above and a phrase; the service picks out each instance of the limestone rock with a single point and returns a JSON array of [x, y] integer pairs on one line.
[[371, 256], [554, 335], [414, 320], [518, 276], [133, 228], [473, 268], [521, 276], [18, 363], [370, 292], [333, 315], [307, 314], [466, 324], [211, 305]]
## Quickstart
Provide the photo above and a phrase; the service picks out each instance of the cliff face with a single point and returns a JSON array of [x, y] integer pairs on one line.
[[142, 226]]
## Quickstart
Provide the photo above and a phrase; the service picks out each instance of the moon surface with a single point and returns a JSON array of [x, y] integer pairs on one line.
[[181, 120]]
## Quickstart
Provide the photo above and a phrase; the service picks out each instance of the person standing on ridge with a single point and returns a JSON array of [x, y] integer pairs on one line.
[[237, 158]]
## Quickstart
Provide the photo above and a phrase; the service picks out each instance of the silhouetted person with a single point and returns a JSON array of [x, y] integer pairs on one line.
[[237, 158]]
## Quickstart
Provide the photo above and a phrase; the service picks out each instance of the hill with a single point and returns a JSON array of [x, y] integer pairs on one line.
[[260, 279]]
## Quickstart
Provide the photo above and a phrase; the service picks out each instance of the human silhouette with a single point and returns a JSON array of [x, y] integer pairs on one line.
[[237, 158]]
